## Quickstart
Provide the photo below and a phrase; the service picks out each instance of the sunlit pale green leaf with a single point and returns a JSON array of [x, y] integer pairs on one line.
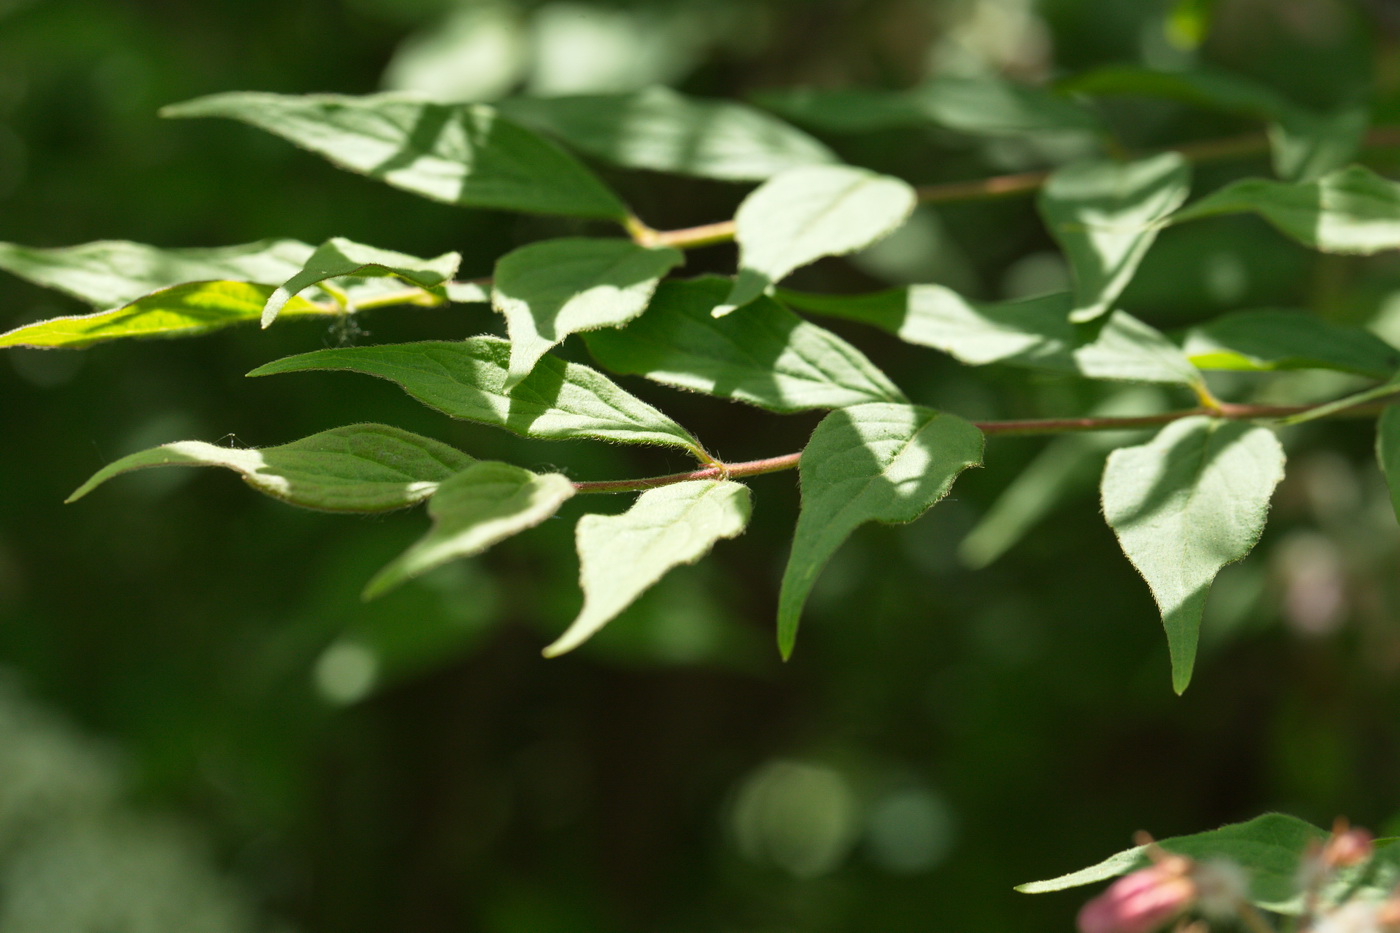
[[466, 379], [868, 463], [1184, 505], [1350, 211], [340, 257], [559, 287], [456, 153], [1105, 216], [1033, 332], [1388, 452], [1282, 339], [974, 105], [473, 510], [180, 311], [468, 293], [621, 556], [766, 356], [110, 273], [357, 468], [807, 213], [661, 130]]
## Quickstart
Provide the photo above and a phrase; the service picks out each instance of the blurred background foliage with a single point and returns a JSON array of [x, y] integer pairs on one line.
[[203, 729]]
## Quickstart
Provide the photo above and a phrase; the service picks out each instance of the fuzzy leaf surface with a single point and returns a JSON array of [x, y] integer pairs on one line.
[[1105, 216], [550, 290], [357, 468], [463, 154], [1270, 339], [466, 379], [663, 131], [868, 463], [766, 356], [622, 556], [1184, 505], [341, 257], [1350, 211], [473, 510], [1035, 333], [806, 213]]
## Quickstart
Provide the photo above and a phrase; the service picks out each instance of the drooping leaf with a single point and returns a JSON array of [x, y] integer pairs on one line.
[[663, 131], [766, 356], [340, 257], [178, 311], [1388, 452], [559, 287], [1280, 339], [466, 379], [1034, 333], [807, 213], [622, 556], [1184, 505], [975, 105], [1105, 215], [357, 468], [111, 273], [473, 510], [868, 463], [1350, 211], [455, 153]]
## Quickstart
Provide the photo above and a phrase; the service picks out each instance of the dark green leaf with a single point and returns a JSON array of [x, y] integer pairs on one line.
[[1388, 452], [1307, 146], [456, 153], [766, 356], [466, 379], [357, 468], [1280, 339]]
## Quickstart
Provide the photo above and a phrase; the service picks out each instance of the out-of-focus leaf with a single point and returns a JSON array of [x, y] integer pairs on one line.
[[1388, 452], [1184, 505], [340, 257], [1189, 22], [550, 290], [357, 468], [868, 463], [473, 510], [1034, 332], [1200, 87], [1281, 339], [110, 273], [663, 131], [766, 356], [1105, 215], [179, 311], [1350, 211], [1307, 146], [466, 379], [807, 213], [456, 153], [621, 556]]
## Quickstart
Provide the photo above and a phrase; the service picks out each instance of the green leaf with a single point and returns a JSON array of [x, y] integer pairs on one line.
[[1267, 340], [113, 273], [1034, 333], [1189, 22], [1105, 215], [468, 293], [766, 356], [807, 213], [974, 105], [1269, 849], [1184, 505], [1307, 146], [180, 311], [466, 379], [559, 287], [1350, 211], [455, 153], [357, 468], [1200, 87], [878, 462], [340, 257], [473, 510], [622, 556], [663, 131], [1388, 452]]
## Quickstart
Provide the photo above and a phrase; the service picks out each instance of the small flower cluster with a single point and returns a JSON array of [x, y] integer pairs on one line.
[[1175, 889]]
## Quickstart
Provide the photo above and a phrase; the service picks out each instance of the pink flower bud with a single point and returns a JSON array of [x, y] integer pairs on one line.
[[1349, 847], [1142, 901]]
